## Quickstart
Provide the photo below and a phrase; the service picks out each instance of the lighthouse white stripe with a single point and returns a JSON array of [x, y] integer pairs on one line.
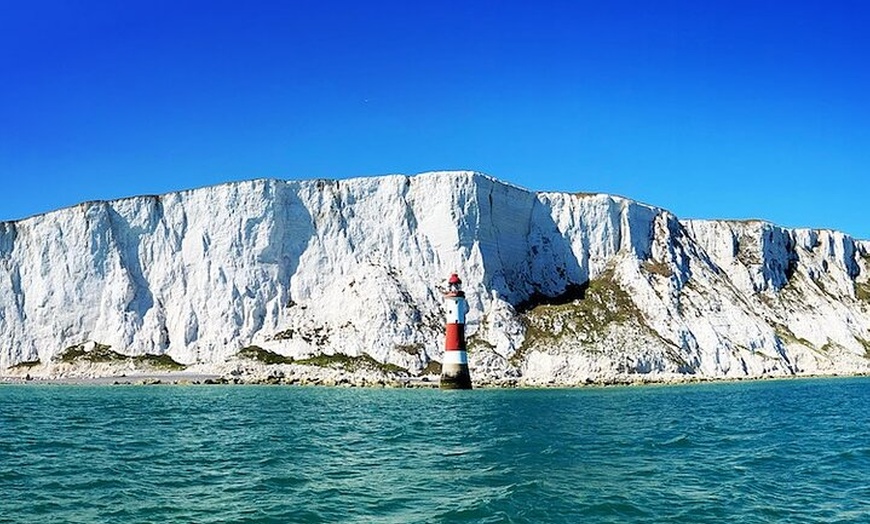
[[456, 308], [455, 357]]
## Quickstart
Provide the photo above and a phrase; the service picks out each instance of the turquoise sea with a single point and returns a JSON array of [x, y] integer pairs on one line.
[[776, 451]]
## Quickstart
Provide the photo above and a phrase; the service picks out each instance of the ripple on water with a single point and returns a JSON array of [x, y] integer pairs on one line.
[[706, 453]]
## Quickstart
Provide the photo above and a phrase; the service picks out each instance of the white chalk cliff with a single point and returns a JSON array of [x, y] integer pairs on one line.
[[563, 288]]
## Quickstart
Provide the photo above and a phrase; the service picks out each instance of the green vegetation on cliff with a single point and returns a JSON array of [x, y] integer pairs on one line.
[[102, 353], [585, 316], [337, 361]]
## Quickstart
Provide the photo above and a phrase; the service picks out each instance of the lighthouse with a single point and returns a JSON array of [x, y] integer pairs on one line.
[[454, 365]]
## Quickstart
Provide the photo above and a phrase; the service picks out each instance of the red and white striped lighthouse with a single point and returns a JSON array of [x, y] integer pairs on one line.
[[454, 365]]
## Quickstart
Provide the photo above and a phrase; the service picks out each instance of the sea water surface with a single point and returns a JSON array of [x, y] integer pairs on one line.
[[776, 451]]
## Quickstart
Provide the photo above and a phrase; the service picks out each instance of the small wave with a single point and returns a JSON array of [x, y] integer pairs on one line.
[[678, 441], [311, 458]]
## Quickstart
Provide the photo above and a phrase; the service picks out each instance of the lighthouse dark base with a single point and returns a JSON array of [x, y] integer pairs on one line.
[[455, 376]]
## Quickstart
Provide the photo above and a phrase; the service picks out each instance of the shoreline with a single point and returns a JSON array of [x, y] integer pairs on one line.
[[193, 378], [179, 378]]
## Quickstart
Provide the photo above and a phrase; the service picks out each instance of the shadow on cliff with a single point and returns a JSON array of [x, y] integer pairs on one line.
[[128, 239], [536, 265], [572, 292], [290, 236]]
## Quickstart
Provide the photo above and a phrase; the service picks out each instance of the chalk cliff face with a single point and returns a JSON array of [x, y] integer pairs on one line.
[[563, 288]]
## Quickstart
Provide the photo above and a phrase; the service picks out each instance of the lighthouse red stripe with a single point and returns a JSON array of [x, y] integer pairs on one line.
[[455, 337]]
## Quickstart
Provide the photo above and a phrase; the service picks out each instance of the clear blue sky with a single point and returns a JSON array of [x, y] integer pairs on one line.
[[730, 109]]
